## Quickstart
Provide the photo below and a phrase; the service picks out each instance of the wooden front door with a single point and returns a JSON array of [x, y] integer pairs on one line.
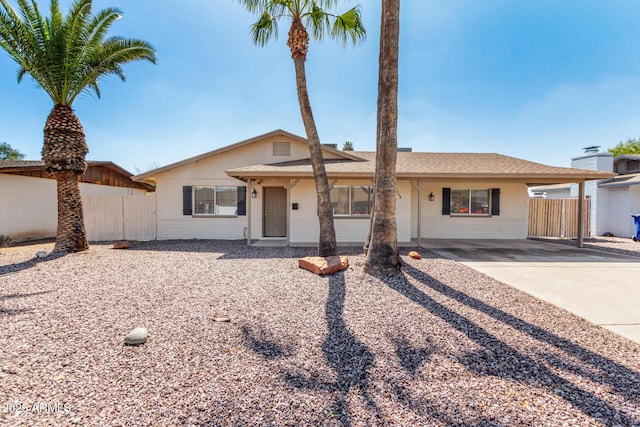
[[275, 212]]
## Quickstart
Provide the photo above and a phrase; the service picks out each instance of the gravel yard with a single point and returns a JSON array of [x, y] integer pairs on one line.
[[440, 345]]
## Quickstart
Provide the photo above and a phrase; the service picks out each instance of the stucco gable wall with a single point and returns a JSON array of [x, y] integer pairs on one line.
[[257, 153], [210, 171]]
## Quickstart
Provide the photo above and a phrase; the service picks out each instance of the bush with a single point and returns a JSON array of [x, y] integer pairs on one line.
[[5, 241]]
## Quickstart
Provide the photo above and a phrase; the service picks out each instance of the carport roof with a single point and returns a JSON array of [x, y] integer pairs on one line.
[[430, 165]]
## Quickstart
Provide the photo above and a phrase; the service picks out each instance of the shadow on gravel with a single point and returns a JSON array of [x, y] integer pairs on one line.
[[260, 341], [14, 311], [498, 359], [349, 358], [409, 357], [25, 265]]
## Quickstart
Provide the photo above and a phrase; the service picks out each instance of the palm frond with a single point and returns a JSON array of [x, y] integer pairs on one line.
[[107, 60], [67, 56], [318, 20], [348, 27], [264, 29]]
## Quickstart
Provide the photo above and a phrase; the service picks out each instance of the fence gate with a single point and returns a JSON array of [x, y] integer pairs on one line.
[[120, 217], [557, 217]]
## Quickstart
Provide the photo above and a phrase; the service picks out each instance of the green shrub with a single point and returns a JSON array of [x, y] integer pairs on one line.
[[5, 241]]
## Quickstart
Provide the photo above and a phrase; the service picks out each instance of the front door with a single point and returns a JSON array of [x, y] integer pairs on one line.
[[275, 212]]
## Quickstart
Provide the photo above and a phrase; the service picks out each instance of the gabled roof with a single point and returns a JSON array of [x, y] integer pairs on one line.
[[431, 165], [259, 138], [627, 157], [622, 181], [30, 165], [12, 166]]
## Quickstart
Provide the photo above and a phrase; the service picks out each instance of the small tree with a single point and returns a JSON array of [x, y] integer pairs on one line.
[[347, 146], [304, 17], [632, 146], [7, 152]]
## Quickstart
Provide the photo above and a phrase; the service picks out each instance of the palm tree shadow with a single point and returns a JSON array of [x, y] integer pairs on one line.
[[620, 378], [259, 340], [348, 358], [496, 358], [410, 357], [15, 311], [25, 265]]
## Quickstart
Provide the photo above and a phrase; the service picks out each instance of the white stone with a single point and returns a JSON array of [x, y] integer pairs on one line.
[[41, 254], [137, 336]]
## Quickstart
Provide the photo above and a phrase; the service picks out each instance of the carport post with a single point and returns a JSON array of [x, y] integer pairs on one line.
[[249, 201], [579, 242]]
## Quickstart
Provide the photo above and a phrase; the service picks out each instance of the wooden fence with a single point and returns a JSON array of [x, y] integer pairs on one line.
[[120, 217], [556, 217]]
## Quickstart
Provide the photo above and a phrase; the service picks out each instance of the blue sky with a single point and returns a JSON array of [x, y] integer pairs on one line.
[[534, 79]]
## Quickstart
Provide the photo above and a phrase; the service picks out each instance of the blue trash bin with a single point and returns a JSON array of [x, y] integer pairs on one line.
[[636, 219]]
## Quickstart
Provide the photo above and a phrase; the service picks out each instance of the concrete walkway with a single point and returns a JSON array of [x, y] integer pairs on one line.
[[601, 287]]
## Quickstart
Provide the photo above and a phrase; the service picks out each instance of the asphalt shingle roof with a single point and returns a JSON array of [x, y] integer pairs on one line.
[[413, 164]]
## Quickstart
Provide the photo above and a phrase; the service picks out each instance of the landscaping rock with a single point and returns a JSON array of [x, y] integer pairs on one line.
[[415, 255], [324, 265], [137, 336], [41, 254], [123, 244]]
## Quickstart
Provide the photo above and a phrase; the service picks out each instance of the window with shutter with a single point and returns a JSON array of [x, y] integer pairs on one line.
[[187, 200], [214, 201]]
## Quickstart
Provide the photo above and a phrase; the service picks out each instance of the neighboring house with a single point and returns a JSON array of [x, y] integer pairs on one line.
[[612, 200], [263, 188], [621, 197], [554, 191], [29, 196]]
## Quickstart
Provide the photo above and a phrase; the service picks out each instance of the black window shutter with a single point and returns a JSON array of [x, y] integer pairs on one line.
[[495, 201], [242, 200], [187, 205], [446, 201]]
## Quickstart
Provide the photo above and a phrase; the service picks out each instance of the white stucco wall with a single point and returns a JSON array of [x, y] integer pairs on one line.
[[623, 202], [304, 221], [599, 212], [30, 207], [510, 224]]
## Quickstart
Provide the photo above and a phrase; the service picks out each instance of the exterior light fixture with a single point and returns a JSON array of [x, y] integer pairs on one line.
[[431, 197], [254, 193]]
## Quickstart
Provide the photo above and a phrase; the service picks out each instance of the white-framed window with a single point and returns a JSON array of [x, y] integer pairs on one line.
[[219, 201], [470, 202], [351, 200]]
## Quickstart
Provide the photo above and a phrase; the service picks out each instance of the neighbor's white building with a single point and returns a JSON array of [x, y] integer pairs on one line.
[[29, 201]]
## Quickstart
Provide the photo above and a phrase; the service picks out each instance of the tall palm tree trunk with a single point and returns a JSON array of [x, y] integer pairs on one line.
[[64, 153], [298, 43], [382, 255], [71, 235]]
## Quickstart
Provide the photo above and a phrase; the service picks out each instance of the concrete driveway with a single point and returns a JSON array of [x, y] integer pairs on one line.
[[601, 287]]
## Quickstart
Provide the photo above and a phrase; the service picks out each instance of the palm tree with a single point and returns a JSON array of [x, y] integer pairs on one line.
[[314, 15], [67, 56], [347, 146], [382, 249]]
